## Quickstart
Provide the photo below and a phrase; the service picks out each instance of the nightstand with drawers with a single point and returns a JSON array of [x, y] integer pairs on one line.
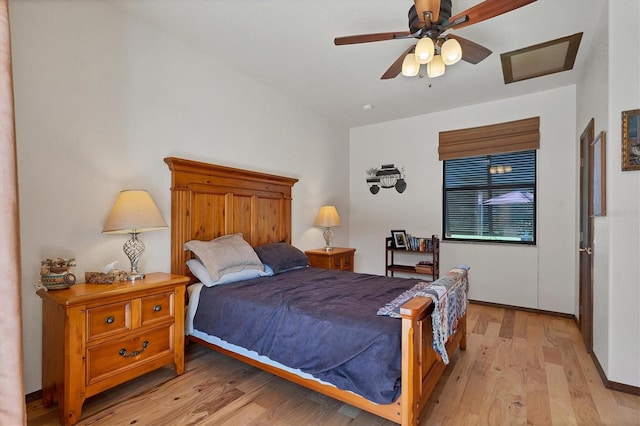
[[96, 336], [339, 258]]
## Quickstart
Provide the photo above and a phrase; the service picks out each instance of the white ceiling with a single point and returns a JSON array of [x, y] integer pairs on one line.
[[288, 46]]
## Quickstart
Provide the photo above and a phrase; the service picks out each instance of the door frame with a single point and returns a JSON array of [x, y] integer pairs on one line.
[[585, 298]]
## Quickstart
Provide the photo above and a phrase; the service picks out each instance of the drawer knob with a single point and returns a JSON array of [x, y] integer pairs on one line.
[[109, 319], [157, 308], [123, 351]]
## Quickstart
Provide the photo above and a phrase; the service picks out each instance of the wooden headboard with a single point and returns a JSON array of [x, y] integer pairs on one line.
[[208, 201]]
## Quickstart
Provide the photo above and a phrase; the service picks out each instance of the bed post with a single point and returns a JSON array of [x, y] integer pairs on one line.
[[463, 330], [180, 228], [412, 312]]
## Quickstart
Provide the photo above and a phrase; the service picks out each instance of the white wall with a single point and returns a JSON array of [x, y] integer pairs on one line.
[[622, 227], [592, 103], [541, 277], [610, 85], [101, 99]]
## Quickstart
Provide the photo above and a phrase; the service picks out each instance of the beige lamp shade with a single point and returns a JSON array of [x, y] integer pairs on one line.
[[133, 211], [327, 217]]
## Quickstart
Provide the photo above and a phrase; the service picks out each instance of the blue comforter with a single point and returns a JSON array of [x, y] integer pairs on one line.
[[320, 321]]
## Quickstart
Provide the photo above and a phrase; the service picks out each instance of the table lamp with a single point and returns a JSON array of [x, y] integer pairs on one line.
[[134, 212], [327, 218]]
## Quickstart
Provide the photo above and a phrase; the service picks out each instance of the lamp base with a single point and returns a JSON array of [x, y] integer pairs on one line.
[[134, 276], [328, 235], [134, 248]]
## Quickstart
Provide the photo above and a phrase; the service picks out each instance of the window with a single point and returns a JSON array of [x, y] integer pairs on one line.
[[491, 198]]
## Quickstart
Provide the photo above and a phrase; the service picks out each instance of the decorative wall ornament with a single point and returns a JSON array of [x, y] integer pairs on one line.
[[631, 140], [387, 176]]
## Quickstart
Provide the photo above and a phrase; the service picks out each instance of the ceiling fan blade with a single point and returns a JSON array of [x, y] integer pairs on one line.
[[471, 52], [489, 9], [396, 67], [432, 6], [368, 38]]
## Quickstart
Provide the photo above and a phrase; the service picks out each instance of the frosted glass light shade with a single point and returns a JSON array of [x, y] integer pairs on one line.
[[424, 50], [451, 51], [435, 68], [410, 67], [133, 211]]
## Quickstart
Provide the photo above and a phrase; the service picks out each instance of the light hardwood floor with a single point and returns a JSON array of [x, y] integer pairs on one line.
[[520, 368]]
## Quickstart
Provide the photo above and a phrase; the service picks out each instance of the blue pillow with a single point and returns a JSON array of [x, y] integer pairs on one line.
[[281, 257]]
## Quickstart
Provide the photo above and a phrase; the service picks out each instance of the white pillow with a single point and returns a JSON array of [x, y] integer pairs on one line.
[[229, 253], [197, 268]]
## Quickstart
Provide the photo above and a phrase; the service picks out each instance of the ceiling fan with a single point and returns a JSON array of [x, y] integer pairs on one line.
[[429, 20]]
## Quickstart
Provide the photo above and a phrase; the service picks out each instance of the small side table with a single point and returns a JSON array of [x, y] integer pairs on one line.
[[340, 258], [96, 336]]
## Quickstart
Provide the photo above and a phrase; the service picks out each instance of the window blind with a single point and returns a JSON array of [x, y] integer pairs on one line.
[[481, 206], [519, 135]]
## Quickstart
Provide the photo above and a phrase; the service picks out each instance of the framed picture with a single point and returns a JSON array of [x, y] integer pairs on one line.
[[630, 141], [399, 239], [598, 175]]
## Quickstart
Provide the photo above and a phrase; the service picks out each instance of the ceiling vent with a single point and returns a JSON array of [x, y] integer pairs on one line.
[[541, 59]]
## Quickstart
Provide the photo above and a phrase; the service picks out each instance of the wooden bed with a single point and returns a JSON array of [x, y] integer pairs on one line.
[[208, 201]]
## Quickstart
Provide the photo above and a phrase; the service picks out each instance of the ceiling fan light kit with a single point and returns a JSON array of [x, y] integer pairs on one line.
[[500, 169], [428, 21], [425, 53]]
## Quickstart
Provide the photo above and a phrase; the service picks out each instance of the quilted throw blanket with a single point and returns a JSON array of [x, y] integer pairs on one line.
[[449, 295]]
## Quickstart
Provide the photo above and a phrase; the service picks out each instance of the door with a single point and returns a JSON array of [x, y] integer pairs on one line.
[[586, 239]]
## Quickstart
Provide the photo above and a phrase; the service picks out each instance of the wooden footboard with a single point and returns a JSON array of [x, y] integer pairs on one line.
[[421, 366]]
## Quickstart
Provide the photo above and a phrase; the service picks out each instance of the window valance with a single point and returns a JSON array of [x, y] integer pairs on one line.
[[519, 135]]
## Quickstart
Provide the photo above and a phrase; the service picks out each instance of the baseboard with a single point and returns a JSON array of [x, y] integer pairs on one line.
[[620, 387], [520, 308], [33, 396]]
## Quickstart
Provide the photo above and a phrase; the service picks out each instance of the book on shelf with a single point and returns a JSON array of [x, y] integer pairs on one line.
[[424, 267], [412, 243]]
